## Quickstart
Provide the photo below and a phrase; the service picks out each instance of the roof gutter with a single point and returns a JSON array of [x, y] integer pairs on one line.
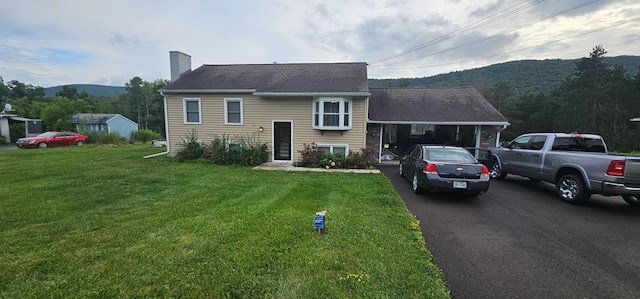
[[173, 91], [309, 94], [460, 123]]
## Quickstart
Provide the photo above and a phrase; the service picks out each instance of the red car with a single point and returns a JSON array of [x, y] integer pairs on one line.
[[51, 139]]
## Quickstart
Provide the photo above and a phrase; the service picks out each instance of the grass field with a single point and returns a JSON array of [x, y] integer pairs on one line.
[[92, 222]]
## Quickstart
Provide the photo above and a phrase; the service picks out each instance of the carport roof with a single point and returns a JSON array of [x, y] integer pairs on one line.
[[447, 105]]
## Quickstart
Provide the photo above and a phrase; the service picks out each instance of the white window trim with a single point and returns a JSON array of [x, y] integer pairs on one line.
[[332, 145], [343, 101], [184, 110], [226, 112]]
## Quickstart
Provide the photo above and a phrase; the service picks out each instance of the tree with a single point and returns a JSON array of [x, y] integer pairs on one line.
[[69, 92], [135, 98], [56, 116]]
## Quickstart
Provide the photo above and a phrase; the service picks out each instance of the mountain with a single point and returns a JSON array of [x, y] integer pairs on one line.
[[525, 76], [91, 89]]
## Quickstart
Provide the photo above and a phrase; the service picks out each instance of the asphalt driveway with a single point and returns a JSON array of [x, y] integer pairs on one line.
[[519, 240]]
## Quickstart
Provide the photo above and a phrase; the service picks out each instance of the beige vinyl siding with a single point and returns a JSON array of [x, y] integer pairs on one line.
[[261, 112]]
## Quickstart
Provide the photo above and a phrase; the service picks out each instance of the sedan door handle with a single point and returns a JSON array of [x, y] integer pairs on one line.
[[536, 155], [518, 154]]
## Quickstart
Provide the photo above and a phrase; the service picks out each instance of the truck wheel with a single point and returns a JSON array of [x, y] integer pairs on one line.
[[632, 200], [496, 172], [571, 189]]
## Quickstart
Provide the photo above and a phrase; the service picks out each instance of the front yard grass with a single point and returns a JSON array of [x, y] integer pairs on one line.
[[92, 222]]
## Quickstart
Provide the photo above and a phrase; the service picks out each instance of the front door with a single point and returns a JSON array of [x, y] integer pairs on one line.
[[282, 141]]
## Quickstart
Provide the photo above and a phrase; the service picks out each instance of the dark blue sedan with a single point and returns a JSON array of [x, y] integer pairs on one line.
[[444, 168]]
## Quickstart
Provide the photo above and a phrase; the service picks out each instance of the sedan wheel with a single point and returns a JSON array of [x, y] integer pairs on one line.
[[42, 144], [79, 143], [414, 184], [632, 200], [572, 190]]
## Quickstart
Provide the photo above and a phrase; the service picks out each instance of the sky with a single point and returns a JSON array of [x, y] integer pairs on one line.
[[57, 42]]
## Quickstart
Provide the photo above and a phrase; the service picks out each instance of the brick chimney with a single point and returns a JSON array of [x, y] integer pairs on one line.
[[180, 63]]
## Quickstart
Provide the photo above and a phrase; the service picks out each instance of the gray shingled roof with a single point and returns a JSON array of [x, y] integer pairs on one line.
[[276, 78], [438, 105], [91, 118]]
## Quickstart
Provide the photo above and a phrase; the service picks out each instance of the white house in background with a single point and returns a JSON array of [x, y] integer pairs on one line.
[[105, 123]]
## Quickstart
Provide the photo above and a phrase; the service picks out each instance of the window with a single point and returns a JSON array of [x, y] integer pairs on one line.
[[420, 129], [233, 111], [332, 113], [192, 111], [234, 146], [582, 144], [538, 142], [333, 148], [522, 142]]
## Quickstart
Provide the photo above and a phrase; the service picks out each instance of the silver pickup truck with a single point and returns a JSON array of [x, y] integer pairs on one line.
[[578, 164]]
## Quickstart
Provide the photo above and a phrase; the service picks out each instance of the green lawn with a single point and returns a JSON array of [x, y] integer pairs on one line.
[[91, 222]]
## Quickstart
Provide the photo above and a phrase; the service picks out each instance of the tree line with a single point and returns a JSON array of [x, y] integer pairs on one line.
[[597, 98], [141, 102]]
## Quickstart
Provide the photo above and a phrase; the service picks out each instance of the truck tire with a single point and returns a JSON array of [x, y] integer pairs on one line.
[[632, 200], [571, 189], [496, 172]]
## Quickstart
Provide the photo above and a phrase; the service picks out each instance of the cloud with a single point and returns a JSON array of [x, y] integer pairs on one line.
[[67, 41]]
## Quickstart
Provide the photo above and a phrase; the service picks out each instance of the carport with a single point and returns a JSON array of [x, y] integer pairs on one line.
[[32, 127], [402, 117]]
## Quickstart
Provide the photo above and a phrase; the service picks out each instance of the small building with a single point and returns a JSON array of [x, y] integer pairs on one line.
[[105, 123]]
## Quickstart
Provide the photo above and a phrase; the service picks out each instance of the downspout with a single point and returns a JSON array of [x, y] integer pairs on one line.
[[380, 144], [498, 135], [166, 131]]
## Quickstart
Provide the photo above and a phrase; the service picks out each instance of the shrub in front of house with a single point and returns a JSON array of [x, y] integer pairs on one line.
[[224, 150], [236, 150], [311, 157], [145, 136], [191, 148], [361, 159]]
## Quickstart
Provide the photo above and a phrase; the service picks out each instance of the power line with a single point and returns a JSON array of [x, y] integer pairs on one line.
[[497, 34], [514, 51], [482, 22]]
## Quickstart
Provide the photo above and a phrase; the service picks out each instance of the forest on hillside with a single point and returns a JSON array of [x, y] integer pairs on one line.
[[524, 76]]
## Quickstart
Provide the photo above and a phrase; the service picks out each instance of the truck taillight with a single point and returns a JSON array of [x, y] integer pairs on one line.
[[430, 168], [616, 168], [485, 170]]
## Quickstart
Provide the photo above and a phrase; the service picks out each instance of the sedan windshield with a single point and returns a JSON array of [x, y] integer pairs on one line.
[[450, 155]]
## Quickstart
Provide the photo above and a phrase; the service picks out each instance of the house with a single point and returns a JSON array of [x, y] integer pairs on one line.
[[287, 105], [284, 105], [105, 123]]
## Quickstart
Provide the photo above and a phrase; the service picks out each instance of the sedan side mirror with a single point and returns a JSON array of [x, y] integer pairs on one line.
[[505, 144]]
